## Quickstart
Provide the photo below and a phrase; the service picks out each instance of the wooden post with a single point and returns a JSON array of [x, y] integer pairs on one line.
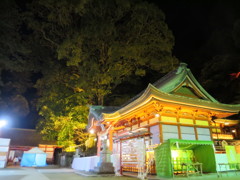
[[110, 140], [194, 124], [178, 123], [161, 133], [121, 157], [99, 145], [160, 128]]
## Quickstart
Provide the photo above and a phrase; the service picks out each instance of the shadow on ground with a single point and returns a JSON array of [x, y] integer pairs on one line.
[[13, 177]]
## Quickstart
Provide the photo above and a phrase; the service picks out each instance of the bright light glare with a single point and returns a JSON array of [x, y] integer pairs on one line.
[[157, 115], [175, 154], [2, 123], [91, 131]]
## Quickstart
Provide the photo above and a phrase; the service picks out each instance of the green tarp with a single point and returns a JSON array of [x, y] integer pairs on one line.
[[231, 154], [188, 151]]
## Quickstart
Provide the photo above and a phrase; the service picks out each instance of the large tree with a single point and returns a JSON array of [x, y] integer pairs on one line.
[[62, 105], [115, 40], [92, 46], [107, 40]]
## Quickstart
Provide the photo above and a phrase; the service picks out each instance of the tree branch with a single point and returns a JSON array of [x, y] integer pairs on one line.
[[46, 38]]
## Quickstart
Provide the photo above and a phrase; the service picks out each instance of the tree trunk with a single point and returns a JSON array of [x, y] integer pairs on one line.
[[100, 100]]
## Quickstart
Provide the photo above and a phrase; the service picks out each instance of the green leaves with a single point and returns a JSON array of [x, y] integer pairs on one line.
[[115, 40], [63, 105], [92, 47]]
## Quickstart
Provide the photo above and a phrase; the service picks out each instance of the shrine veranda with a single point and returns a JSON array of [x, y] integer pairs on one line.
[[175, 107]]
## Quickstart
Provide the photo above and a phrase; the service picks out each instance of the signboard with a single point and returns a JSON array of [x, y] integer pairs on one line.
[[4, 149]]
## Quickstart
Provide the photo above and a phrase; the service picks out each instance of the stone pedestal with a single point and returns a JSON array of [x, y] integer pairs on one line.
[[104, 168], [105, 165]]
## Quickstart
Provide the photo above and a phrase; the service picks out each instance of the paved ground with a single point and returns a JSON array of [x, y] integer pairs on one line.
[[20, 173], [24, 173]]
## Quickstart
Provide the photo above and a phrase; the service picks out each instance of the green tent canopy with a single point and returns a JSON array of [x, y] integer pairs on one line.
[[187, 151]]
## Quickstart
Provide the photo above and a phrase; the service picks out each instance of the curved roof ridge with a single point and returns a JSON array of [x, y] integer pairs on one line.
[[152, 92], [180, 71], [190, 75], [163, 89], [164, 78], [155, 84]]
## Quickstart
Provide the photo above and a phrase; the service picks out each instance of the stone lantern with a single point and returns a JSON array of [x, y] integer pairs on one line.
[[105, 165]]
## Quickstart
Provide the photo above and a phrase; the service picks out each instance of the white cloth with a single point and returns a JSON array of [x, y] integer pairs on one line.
[[85, 163], [88, 163]]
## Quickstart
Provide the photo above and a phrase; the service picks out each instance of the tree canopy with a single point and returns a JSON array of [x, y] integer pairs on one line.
[[84, 50], [59, 57], [106, 41]]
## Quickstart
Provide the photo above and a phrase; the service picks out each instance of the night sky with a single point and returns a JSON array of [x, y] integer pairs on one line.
[[194, 24]]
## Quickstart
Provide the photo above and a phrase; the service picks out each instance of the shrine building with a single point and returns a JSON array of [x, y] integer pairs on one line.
[[174, 107]]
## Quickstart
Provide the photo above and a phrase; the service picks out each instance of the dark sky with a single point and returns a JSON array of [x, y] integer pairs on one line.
[[189, 23], [193, 23]]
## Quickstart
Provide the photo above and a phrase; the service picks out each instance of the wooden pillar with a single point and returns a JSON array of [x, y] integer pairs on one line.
[[110, 140], [196, 132], [160, 127], [211, 129], [121, 171], [194, 124], [99, 145], [178, 122], [179, 131], [161, 133]]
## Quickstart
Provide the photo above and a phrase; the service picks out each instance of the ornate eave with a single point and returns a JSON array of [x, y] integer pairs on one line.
[[152, 93], [165, 91]]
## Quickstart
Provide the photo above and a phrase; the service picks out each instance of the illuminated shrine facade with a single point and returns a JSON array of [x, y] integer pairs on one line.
[[176, 106]]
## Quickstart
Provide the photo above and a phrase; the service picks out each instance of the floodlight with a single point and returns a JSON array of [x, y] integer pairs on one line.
[[3, 123]]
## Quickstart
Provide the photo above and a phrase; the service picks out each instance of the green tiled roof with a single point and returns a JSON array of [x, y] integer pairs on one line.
[[176, 79], [178, 87]]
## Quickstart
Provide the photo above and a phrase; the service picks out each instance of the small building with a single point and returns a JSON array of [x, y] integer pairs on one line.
[[174, 107], [23, 140]]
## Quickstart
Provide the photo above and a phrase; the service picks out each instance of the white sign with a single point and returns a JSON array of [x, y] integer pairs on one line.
[[4, 148]]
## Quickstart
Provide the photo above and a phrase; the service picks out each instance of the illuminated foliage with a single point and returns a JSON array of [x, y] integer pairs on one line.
[[63, 107], [91, 141], [107, 41], [87, 49]]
